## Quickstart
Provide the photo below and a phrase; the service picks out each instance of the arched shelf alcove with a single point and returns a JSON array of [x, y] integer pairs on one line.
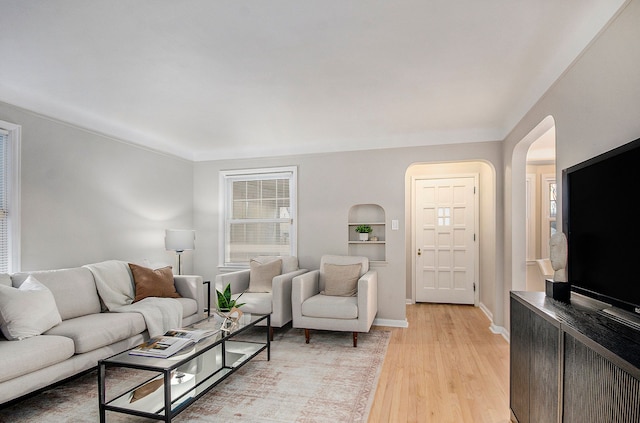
[[373, 215]]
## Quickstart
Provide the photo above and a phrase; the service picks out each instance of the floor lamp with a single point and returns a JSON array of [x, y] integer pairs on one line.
[[179, 240]]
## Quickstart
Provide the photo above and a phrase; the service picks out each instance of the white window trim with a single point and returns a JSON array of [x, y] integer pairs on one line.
[[225, 198], [13, 192]]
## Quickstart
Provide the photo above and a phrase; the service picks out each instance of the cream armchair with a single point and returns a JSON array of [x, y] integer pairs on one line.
[[276, 299], [315, 305]]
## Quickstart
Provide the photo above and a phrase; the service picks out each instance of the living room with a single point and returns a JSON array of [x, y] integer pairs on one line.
[[88, 196]]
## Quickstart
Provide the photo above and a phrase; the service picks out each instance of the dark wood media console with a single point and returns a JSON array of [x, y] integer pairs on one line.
[[570, 363]]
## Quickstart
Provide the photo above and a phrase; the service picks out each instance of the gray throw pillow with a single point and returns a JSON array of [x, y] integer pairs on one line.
[[341, 280], [28, 310]]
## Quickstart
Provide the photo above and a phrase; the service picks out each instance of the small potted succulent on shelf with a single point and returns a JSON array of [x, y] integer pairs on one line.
[[364, 231]]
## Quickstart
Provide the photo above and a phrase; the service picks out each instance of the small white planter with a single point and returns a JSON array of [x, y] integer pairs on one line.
[[364, 236]]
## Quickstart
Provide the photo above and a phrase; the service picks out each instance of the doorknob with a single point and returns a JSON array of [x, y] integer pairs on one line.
[[419, 252]]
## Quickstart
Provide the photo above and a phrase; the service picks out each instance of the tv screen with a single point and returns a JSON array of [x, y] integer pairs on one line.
[[601, 219]]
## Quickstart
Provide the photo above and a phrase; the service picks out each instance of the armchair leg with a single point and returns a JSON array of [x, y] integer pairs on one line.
[[355, 339], [306, 336], [271, 333]]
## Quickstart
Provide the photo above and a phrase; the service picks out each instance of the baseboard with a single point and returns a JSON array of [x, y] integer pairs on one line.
[[486, 311], [391, 323], [498, 330]]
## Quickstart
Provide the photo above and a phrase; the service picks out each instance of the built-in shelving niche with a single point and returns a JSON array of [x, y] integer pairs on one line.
[[373, 215]]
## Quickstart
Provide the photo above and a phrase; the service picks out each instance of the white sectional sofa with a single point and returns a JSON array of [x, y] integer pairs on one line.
[[86, 334]]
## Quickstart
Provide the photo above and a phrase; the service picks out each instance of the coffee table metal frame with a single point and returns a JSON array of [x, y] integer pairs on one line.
[[166, 367]]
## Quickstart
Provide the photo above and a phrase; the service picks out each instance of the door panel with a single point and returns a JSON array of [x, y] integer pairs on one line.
[[445, 227]]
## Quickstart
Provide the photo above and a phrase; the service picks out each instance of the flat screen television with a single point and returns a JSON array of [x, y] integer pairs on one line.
[[601, 219]]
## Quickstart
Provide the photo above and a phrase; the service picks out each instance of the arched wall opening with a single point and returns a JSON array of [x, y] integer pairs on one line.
[[519, 203], [489, 292]]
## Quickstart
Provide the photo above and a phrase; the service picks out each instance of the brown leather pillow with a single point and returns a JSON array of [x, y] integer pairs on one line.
[[153, 283]]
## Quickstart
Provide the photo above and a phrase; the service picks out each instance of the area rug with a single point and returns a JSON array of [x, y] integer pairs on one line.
[[326, 380]]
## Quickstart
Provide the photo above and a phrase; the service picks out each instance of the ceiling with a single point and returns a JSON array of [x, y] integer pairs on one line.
[[208, 79]]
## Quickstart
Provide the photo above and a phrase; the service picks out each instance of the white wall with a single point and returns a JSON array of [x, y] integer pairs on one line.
[[87, 197], [328, 185], [595, 106]]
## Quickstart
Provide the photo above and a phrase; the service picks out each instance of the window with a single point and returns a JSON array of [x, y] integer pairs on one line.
[[9, 197], [259, 214], [550, 204], [444, 216]]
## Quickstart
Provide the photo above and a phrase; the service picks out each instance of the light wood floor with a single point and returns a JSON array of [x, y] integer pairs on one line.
[[447, 366]]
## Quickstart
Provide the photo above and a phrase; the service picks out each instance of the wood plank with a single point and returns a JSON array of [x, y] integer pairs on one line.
[[447, 366]]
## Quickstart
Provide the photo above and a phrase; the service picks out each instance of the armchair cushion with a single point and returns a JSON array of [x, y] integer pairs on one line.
[[341, 280], [330, 307], [261, 275], [289, 263]]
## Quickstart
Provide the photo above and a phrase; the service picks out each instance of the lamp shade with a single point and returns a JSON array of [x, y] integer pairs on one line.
[[179, 239]]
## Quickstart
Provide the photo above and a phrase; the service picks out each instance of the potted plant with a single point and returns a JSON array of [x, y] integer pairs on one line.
[[225, 303], [364, 231]]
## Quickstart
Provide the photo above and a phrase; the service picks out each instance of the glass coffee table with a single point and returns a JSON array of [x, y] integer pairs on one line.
[[167, 386]]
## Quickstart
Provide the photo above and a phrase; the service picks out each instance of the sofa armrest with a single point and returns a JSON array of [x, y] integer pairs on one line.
[[367, 299], [239, 281], [191, 286]]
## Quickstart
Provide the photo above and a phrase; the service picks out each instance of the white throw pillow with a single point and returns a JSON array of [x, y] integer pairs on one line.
[[28, 310]]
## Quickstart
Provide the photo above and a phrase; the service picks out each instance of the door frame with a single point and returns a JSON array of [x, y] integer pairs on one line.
[[476, 222]]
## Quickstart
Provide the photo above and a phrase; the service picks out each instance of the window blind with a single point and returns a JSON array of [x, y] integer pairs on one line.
[[259, 215]]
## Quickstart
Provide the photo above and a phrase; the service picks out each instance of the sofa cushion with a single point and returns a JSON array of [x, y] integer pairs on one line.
[[74, 290], [256, 302], [261, 275], [189, 306], [341, 280], [153, 283], [35, 353], [331, 307], [98, 330], [28, 310]]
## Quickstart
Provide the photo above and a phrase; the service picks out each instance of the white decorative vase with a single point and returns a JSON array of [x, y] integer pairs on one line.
[[364, 236]]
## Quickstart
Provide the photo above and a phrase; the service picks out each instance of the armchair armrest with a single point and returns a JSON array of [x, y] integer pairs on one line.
[[282, 283], [367, 299], [281, 297], [302, 287], [190, 286], [239, 281], [305, 286]]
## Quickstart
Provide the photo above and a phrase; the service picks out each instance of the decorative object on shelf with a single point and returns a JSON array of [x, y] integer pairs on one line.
[[179, 240], [231, 319], [558, 288], [364, 231], [373, 238]]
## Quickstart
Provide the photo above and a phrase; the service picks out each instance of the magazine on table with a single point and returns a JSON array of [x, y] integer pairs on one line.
[[162, 346], [193, 334], [172, 342]]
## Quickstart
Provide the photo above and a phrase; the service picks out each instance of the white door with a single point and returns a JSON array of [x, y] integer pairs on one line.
[[445, 240]]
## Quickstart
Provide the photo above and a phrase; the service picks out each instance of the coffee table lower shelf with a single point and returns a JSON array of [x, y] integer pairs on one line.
[[176, 382]]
